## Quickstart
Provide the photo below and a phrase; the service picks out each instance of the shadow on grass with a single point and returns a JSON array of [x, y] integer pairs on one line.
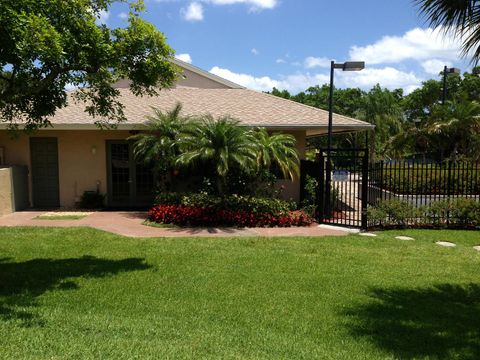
[[22, 282], [442, 322]]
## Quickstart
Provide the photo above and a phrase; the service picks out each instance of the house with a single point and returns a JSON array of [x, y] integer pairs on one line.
[[75, 156]]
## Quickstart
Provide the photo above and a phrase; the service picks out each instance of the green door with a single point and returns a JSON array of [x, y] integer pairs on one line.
[[129, 184], [45, 184]]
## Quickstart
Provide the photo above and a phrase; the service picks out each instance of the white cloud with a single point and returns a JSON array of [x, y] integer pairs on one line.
[[280, 61], [123, 15], [254, 4], [434, 66], [387, 77], [312, 62], [193, 12], [264, 83], [294, 82], [255, 51], [184, 57], [417, 44]]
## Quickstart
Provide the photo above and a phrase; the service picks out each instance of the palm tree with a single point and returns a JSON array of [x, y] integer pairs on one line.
[[157, 145], [460, 16], [459, 126], [277, 149], [222, 143]]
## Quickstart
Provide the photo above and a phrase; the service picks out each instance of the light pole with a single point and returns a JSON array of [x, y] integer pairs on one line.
[[346, 66], [446, 71]]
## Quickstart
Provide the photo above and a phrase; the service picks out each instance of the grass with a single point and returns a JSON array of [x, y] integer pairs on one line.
[[159, 225], [82, 293], [60, 217]]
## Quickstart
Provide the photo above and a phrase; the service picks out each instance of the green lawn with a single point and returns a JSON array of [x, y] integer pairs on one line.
[[86, 294]]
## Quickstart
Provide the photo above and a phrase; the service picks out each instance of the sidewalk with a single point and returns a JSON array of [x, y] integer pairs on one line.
[[130, 224]]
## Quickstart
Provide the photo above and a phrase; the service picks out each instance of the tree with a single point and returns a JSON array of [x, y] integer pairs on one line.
[[460, 16], [277, 149], [223, 144], [381, 107], [46, 45], [458, 126], [157, 147]]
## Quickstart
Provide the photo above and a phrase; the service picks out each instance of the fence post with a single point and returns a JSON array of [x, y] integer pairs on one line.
[[364, 218], [320, 188], [303, 175], [449, 187]]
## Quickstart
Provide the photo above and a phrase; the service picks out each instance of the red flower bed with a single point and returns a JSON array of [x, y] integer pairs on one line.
[[197, 216]]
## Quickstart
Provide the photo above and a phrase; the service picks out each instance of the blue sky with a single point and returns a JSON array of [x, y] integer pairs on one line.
[[289, 43]]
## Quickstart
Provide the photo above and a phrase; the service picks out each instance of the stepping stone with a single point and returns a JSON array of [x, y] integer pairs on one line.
[[477, 248], [445, 243], [368, 234], [404, 238]]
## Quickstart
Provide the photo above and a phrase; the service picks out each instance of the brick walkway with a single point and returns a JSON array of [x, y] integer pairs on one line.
[[130, 224]]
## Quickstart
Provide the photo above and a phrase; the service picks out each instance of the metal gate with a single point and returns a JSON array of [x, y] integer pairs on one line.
[[342, 187]]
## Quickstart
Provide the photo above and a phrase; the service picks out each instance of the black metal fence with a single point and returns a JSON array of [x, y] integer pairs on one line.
[[406, 193]]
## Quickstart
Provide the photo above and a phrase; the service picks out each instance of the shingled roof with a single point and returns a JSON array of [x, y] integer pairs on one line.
[[250, 107], [203, 93]]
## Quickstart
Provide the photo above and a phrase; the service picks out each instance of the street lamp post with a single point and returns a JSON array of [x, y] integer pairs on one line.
[[446, 71], [347, 66]]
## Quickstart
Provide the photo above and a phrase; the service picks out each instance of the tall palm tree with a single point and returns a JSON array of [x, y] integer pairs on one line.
[[459, 125], [222, 143], [277, 149], [460, 16], [157, 145]]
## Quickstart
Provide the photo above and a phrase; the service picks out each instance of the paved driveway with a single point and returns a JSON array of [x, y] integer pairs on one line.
[[130, 224]]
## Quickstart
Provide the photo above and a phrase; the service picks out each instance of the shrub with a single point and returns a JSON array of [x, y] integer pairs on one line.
[[201, 216], [250, 204], [394, 212], [92, 200], [455, 212], [459, 212], [169, 198]]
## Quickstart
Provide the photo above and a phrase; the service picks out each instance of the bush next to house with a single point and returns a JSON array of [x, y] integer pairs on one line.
[[201, 209]]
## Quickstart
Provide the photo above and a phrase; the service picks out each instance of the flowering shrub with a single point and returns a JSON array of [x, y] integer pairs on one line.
[[249, 204], [208, 216]]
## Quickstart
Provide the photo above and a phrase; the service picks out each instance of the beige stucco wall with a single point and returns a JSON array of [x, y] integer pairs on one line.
[[80, 168], [6, 206], [291, 189]]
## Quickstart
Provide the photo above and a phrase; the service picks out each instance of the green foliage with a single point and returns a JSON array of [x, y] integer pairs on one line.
[[431, 179], [455, 212], [394, 213], [251, 204], [220, 144], [46, 45], [157, 147], [92, 200], [407, 124], [278, 149], [230, 158], [309, 203]]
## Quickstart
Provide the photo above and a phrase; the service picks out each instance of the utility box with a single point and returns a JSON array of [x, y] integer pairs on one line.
[[13, 189]]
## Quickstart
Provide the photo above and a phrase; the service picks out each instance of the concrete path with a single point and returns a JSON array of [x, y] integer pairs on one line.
[[130, 224]]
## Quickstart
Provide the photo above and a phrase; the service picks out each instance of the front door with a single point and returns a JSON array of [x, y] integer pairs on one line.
[[45, 184], [130, 184]]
